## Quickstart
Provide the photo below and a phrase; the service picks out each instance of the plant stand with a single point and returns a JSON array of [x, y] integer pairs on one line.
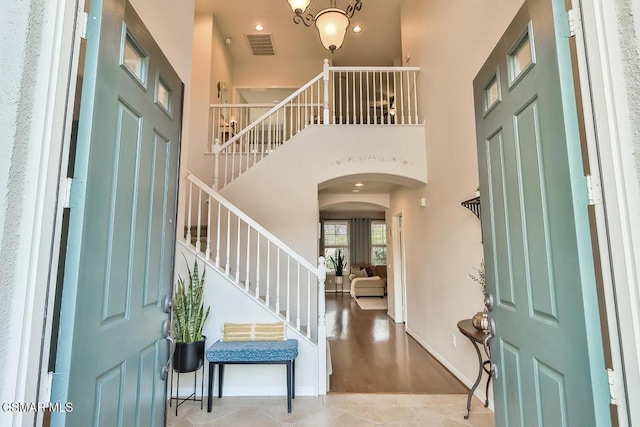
[[193, 395], [187, 358], [340, 281]]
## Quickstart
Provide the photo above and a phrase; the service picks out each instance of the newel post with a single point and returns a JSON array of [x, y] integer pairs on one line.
[[325, 77], [322, 329], [216, 164]]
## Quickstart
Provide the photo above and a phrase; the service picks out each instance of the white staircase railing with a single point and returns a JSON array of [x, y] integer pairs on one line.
[[338, 96], [256, 261]]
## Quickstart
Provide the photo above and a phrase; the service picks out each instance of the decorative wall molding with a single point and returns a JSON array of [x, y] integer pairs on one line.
[[371, 157]]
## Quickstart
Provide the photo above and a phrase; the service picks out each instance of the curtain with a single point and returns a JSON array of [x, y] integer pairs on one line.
[[359, 241]]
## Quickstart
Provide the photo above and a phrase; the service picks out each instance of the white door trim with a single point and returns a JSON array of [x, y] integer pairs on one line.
[[608, 121]]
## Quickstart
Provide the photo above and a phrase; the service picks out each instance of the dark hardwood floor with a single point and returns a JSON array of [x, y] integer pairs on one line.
[[372, 354]]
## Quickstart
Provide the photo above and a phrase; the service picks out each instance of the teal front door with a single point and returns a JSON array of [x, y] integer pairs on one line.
[[547, 346], [119, 264]]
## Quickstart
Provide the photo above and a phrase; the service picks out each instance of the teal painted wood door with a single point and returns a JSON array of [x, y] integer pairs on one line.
[[119, 264], [547, 343]]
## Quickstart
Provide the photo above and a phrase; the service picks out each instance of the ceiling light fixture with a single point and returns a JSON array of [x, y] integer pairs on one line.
[[331, 23], [258, 27], [358, 184], [357, 29]]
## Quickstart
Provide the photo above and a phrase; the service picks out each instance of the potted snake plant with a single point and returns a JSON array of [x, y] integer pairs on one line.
[[189, 316]]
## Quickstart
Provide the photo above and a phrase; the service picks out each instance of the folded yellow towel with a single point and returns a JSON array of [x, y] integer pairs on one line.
[[254, 332]]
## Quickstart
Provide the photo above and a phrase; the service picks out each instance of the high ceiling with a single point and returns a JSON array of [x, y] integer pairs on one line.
[[377, 44]]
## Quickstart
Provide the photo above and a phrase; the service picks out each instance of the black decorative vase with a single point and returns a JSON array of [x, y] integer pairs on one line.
[[188, 357]]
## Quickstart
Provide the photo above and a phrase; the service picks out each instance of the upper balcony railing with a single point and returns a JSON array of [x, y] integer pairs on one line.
[[243, 134]]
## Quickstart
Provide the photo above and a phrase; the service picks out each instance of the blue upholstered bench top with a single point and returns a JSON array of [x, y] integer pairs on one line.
[[252, 351]]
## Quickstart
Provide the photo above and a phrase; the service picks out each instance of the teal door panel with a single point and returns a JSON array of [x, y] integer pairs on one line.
[[547, 343], [119, 264]]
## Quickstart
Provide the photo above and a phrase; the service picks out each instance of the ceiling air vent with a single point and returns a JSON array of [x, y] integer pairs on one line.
[[260, 44]]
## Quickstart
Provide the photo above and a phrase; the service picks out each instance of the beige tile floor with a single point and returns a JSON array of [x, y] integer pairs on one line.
[[344, 410]]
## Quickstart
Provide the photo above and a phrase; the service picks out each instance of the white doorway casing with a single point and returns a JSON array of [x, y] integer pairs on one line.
[[399, 284]]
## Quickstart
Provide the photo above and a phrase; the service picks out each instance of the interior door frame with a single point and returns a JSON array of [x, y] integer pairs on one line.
[[399, 276], [601, 73]]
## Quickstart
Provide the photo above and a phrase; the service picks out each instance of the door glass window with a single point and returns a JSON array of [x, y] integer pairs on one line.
[[492, 93], [163, 96], [134, 59], [521, 57]]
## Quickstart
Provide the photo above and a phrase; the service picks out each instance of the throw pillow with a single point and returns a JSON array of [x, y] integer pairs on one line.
[[254, 332], [369, 271]]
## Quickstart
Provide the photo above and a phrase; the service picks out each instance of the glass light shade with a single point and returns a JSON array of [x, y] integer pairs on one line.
[[332, 27], [299, 4]]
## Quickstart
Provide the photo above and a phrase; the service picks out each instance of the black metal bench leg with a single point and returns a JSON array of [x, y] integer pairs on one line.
[[293, 378], [212, 367], [289, 393], [220, 377]]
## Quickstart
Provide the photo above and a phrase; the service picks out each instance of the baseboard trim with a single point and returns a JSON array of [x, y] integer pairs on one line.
[[248, 391], [466, 381]]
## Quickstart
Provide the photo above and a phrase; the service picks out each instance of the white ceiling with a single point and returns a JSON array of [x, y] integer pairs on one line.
[[377, 44]]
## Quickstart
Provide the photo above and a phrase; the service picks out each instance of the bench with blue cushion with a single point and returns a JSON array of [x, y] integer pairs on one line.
[[252, 352]]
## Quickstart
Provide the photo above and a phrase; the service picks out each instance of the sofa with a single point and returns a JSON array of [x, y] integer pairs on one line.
[[368, 280]]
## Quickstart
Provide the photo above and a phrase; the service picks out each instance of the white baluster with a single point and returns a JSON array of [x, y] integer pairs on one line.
[[340, 94], [238, 253], [232, 152], [298, 297], [368, 101], [268, 284], [402, 89], [381, 99], [258, 265], [353, 89], [333, 93], [415, 94], [218, 236], [278, 281], [188, 239], [375, 98], [216, 165], [227, 267], [198, 225], [388, 121], [308, 304], [288, 288], [361, 106], [248, 266], [409, 98], [208, 250], [395, 98]]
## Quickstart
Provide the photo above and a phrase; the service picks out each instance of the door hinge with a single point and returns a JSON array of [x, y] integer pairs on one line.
[[81, 23], [65, 191], [594, 191], [612, 385], [574, 21]]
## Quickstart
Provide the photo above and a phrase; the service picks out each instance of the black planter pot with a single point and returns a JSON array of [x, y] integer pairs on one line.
[[188, 357]]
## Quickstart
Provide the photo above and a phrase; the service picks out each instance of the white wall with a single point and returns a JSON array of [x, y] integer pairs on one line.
[[275, 72], [449, 39], [211, 64], [285, 184]]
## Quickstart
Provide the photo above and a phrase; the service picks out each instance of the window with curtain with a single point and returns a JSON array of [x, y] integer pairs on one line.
[[378, 242], [335, 236]]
